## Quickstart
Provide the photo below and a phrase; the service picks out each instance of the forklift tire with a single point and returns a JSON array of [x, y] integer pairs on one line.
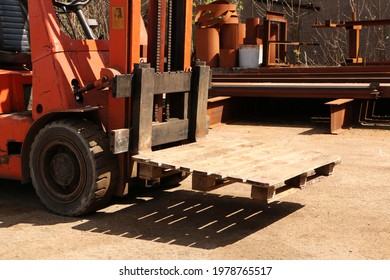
[[72, 168]]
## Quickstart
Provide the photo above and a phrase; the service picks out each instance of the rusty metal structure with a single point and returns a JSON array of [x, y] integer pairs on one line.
[[348, 84], [354, 28], [351, 91]]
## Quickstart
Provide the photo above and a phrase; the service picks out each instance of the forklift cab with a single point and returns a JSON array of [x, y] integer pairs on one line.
[[14, 35], [15, 52]]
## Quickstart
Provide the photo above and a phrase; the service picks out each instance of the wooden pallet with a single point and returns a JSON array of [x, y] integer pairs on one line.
[[271, 171]]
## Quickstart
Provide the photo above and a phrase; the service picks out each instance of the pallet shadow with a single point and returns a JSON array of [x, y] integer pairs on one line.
[[187, 218]]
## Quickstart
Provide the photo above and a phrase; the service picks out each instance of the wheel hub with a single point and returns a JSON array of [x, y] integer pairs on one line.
[[63, 169]]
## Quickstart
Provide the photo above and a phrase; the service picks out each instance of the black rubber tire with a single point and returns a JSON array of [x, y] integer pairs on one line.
[[72, 168]]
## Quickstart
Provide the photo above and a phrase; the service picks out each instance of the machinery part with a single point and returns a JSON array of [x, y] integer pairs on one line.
[[169, 34], [157, 12], [158, 37], [76, 7], [119, 140], [107, 75], [157, 23], [72, 168]]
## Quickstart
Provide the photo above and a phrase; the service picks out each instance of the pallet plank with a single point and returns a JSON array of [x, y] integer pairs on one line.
[[276, 172], [199, 155], [198, 151]]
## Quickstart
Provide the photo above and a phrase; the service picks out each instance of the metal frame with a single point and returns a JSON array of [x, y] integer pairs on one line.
[[354, 28], [193, 123]]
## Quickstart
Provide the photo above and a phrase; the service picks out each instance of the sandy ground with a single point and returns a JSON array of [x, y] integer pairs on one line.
[[344, 216]]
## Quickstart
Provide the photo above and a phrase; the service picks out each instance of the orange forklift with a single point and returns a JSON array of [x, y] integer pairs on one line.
[[86, 119], [73, 112]]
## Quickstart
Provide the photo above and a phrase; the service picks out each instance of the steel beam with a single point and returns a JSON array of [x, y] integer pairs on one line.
[[355, 82], [300, 90]]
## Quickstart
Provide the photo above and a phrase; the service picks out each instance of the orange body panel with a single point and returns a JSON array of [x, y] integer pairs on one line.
[[125, 41], [188, 35], [14, 129], [14, 126], [12, 91], [58, 60], [124, 52]]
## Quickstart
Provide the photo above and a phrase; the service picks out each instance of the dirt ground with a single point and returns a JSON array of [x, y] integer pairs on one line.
[[343, 216]]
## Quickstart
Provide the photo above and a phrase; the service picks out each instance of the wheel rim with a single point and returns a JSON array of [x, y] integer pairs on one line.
[[63, 170]]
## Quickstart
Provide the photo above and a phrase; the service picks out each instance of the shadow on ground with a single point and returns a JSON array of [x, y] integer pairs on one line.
[[175, 216], [188, 218]]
